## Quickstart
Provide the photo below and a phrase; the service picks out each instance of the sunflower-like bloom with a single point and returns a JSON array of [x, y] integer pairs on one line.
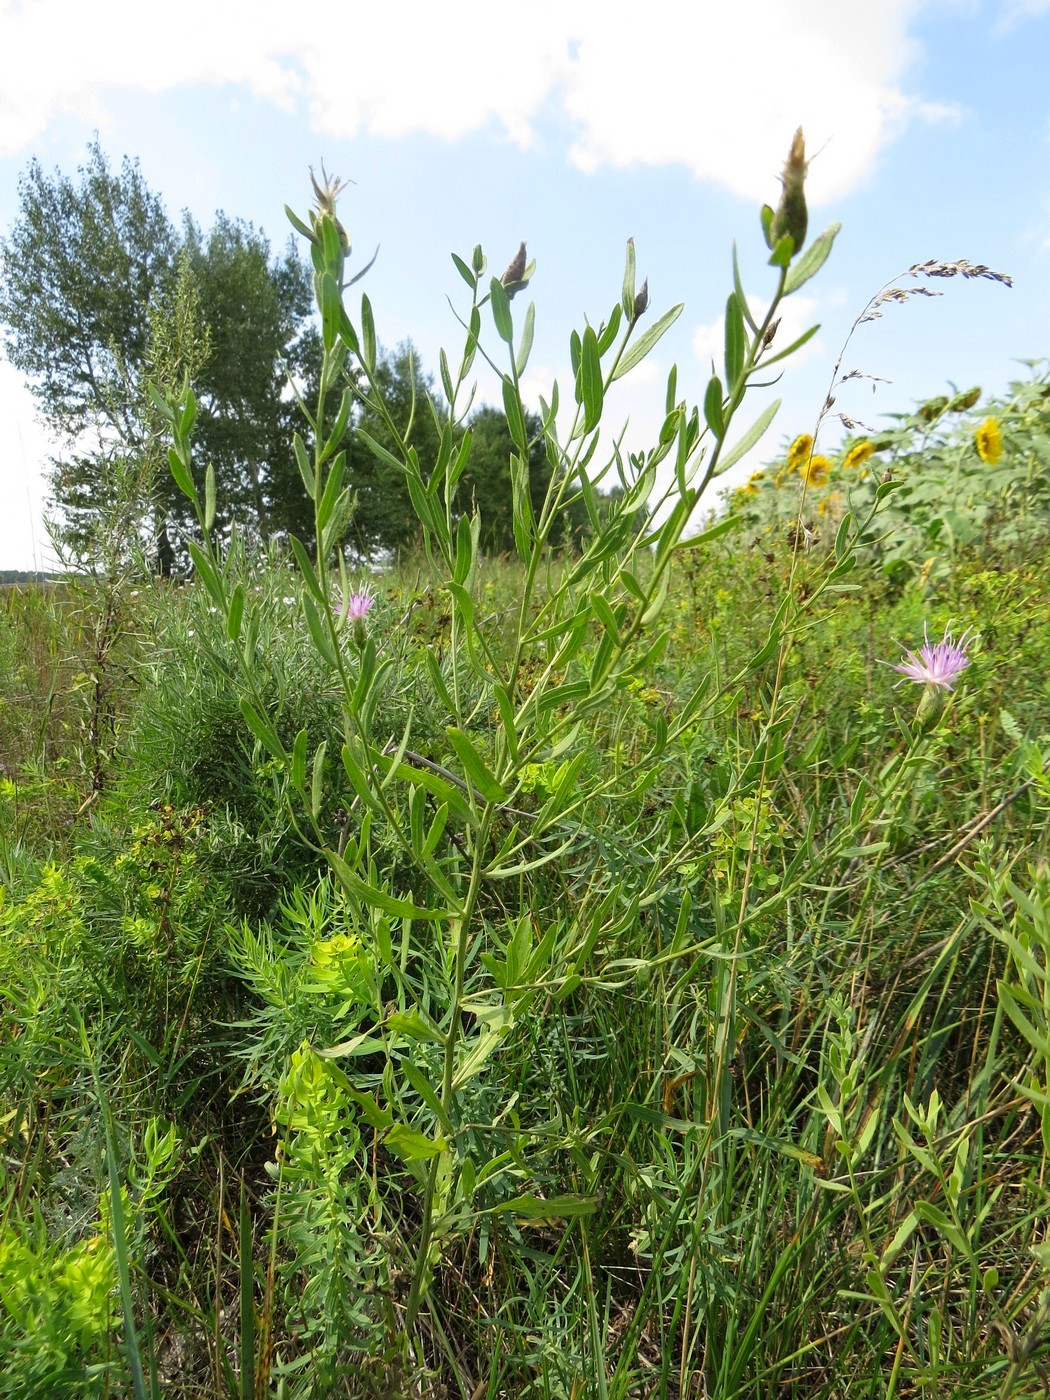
[[798, 452], [858, 453], [815, 471], [989, 441]]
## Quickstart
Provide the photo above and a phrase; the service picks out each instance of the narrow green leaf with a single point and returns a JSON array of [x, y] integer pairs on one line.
[[465, 272], [161, 404], [475, 767], [205, 572], [426, 1091], [736, 343], [500, 303], [812, 260], [298, 224], [605, 615], [306, 568], [331, 309], [531, 1207], [671, 401], [317, 779], [721, 527], [753, 434], [299, 761], [188, 414], [634, 354], [713, 406], [368, 337], [795, 344], [234, 616], [262, 729], [629, 272], [522, 519], [506, 714], [608, 335], [589, 387], [413, 1146], [180, 473], [465, 555], [515, 417], [335, 437], [416, 1025], [446, 375], [333, 485], [374, 897], [209, 498], [525, 348], [306, 471]]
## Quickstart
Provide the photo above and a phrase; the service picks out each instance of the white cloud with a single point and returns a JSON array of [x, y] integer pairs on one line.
[[718, 89], [1014, 12]]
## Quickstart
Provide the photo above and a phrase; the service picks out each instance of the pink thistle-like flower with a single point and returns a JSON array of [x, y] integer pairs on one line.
[[937, 664], [358, 605]]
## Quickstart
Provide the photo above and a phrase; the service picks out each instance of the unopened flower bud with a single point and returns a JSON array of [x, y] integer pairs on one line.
[[641, 301], [791, 216], [514, 277]]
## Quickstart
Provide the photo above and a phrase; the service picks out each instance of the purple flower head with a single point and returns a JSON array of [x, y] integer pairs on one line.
[[936, 664], [358, 605]]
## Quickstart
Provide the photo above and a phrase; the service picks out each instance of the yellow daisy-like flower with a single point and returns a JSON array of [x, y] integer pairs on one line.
[[798, 452], [752, 484], [858, 453], [989, 441], [815, 472]]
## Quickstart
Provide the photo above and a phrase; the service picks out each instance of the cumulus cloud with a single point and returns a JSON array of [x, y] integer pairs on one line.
[[716, 89]]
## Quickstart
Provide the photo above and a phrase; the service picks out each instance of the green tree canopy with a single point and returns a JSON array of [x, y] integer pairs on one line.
[[92, 307]]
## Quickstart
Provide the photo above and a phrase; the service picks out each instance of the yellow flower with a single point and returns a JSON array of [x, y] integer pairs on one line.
[[989, 441], [815, 471], [798, 452], [858, 453]]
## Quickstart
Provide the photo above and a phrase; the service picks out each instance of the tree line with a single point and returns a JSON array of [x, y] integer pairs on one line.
[[102, 295]]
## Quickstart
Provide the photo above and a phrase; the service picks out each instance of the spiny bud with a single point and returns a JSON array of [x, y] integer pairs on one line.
[[514, 277], [767, 339], [791, 216], [641, 301], [326, 195]]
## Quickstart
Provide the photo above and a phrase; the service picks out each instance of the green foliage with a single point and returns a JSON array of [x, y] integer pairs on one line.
[[98, 294], [574, 974], [956, 478]]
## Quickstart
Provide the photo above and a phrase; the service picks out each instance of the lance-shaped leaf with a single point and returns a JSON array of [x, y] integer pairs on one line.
[[634, 354]]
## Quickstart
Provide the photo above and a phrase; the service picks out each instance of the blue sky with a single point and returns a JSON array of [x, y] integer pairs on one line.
[[557, 124]]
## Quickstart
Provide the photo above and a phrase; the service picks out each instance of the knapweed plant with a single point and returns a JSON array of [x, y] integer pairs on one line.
[[434, 1017]]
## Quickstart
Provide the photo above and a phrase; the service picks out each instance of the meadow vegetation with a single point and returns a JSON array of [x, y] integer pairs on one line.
[[582, 972]]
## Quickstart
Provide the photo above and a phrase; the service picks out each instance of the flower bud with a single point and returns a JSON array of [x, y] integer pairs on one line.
[[791, 216], [641, 301], [514, 277]]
